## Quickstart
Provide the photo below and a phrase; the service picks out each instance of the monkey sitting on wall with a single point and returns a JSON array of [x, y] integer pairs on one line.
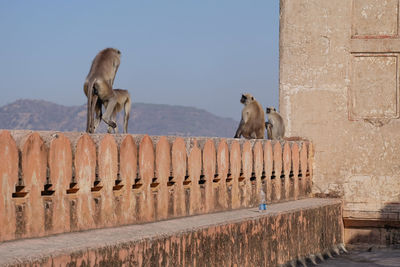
[[123, 102], [251, 125], [98, 85], [275, 126]]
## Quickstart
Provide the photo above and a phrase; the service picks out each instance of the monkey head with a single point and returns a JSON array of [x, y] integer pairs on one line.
[[246, 99], [270, 110], [114, 50]]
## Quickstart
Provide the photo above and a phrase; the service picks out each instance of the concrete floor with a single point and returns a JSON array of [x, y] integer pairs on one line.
[[374, 257]]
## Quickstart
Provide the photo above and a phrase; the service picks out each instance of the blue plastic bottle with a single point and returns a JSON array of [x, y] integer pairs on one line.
[[263, 205]]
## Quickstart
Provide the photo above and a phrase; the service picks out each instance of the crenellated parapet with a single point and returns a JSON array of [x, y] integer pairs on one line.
[[52, 182]]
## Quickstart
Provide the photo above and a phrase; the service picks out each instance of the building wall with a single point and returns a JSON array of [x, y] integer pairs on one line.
[[339, 87]]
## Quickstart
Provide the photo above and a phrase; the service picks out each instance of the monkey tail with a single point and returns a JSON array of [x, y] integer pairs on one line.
[[127, 110], [89, 121]]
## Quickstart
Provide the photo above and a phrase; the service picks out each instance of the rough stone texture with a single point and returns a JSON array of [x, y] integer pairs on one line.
[[84, 205], [235, 238], [339, 87], [382, 257], [9, 178], [60, 165], [163, 163], [268, 168], [367, 237], [61, 182], [222, 169], [128, 168]]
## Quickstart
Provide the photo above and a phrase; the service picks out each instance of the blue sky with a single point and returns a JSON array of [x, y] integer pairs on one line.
[[193, 53]]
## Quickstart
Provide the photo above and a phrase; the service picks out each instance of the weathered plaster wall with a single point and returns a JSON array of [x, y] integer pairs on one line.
[[339, 87], [53, 183], [242, 237]]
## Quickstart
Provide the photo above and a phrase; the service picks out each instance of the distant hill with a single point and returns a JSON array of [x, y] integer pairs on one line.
[[152, 119]]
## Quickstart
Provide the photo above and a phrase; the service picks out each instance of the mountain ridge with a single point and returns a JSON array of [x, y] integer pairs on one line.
[[145, 118]]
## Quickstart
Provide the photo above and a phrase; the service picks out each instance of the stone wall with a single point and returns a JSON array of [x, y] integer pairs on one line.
[[339, 87], [290, 232], [53, 183]]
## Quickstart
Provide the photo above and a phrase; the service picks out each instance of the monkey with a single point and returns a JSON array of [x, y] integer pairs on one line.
[[275, 125], [123, 101], [251, 125], [98, 85]]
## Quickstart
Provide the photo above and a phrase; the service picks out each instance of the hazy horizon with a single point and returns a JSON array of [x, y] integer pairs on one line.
[[120, 114], [199, 54]]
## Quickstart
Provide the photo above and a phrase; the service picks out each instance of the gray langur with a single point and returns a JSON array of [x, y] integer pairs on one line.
[[251, 125], [123, 102], [275, 125], [98, 86]]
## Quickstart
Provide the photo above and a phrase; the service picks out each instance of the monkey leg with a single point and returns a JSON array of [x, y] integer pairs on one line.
[[239, 129], [116, 129], [109, 111], [96, 124], [98, 115], [90, 122], [260, 133], [111, 129], [268, 125], [89, 109], [126, 118], [93, 109], [237, 134], [247, 135], [127, 110]]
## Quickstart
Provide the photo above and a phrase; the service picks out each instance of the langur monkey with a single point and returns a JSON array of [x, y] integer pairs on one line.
[[275, 126], [98, 86], [251, 125], [123, 102]]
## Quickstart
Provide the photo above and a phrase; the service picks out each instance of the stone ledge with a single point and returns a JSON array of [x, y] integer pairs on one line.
[[239, 236]]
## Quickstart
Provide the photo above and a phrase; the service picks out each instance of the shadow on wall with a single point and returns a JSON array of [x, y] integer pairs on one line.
[[367, 233]]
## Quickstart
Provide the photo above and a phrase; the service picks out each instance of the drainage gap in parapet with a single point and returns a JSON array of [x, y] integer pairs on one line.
[[187, 179], [154, 183], [118, 185], [96, 186], [18, 192], [171, 181], [263, 175], [216, 178], [137, 184], [47, 190], [73, 188], [253, 176], [229, 177]]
